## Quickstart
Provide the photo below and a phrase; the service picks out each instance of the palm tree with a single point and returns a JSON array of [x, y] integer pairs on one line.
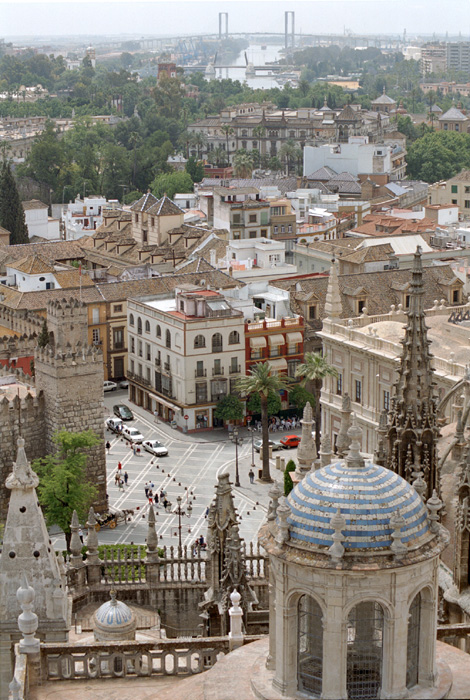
[[243, 164], [199, 140], [313, 370], [260, 381], [288, 153], [227, 130], [259, 132]]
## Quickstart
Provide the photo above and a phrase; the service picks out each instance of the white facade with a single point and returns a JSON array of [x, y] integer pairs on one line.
[[185, 354], [353, 158], [83, 216], [39, 223], [259, 257]]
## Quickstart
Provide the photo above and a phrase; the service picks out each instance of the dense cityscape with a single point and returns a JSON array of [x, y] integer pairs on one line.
[[234, 358]]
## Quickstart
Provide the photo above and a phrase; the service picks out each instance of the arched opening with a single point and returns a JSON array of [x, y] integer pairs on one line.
[[234, 338], [217, 344], [365, 632], [412, 650], [310, 646], [158, 331], [139, 325]]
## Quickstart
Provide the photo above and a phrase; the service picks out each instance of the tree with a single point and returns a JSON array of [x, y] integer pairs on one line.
[[288, 483], [62, 483], [227, 130], [11, 210], [195, 169], [274, 404], [171, 184], [230, 408], [43, 338], [243, 164], [298, 396], [313, 370], [261, 381]]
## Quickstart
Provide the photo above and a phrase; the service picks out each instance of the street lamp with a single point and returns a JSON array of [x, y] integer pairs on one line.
[[179, 512], [236, 441]]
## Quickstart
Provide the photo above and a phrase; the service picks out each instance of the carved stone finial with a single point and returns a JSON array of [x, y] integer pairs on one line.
[[326, 453], [306, 453], [275, 493], [434, 505], [75, 542], [397, 521], [283, 512], [27, 620], [355, 459], [338, 523], [152, 537], [22, 476], [92, 538]]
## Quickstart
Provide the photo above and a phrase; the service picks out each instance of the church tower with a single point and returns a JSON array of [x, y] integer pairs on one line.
[[70, 374], [413, 430]]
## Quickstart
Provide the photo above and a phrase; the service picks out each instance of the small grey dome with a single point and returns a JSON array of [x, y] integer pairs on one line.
[[114, 620]]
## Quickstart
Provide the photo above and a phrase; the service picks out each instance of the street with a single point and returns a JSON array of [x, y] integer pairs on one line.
[[190, 470]]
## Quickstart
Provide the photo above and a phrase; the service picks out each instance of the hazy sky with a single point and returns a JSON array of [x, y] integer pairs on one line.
[[69, 17]]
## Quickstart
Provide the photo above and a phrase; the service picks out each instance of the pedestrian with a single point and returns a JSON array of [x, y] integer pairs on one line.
[[252, 476], [162, 494], [108, 445], [126, 477], [150, 498], [146, 489], [121, 485], [152, 485], [80, 534], [155, 498], [119, 466], [207, 512], [116, 479], [133, 449]]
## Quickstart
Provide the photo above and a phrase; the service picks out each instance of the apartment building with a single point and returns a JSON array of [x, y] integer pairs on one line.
[[186, 352], [455, 191]]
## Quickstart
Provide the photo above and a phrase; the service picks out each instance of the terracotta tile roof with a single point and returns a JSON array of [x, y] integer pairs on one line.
[[453, 114], [33, 265], [144, 202], [324, 173], [380, 225], [71, 278], [372, 253], [34, 204], [164, 207], [380, 287], [53, 251], [37, 301]]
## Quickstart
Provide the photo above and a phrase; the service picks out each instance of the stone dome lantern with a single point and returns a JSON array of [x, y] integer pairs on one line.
[[354, 557], [114, 621]]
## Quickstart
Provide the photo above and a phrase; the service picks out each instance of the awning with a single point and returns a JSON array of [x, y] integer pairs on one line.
[[294, 338], [278, 364], [276, 340], [159, 399], [259, 342]]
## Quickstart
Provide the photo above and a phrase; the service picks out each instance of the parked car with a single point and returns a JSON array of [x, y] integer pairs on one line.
[[123, 384], [123, 412], [110, 386], [114, 424], [132, 434], [290, 441], [258, 444], [155, 448]]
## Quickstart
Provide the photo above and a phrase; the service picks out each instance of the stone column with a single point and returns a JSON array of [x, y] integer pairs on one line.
[[153, 559], [334, 647], [285, 677], [92, 561], [236, 614], [326, 453], [306, 454], [343, 441]]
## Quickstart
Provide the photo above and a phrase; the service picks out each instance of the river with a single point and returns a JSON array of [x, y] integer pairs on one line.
[[258, 56]]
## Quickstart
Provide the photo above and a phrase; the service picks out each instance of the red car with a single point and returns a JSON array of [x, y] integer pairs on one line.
[[290, 441]]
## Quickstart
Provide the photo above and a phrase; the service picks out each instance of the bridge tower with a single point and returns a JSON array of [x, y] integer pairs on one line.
[[223, 19], [289, 35]]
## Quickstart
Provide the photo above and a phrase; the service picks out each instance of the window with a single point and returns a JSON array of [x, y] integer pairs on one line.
[[264, 232], [218, 389], [144, 236], [217, 367], [147, 351], [236, 218], [256, 354], [95, 315], [139, 348], [358, 392], [201, 393], [339, 385], [454, 189], [200, 369], [454, 201], [412, 650], [168, 338], [158, 331], [118, 339], [96, 336], [131, 320], [310, 646], [365, 633], [147, 326], [407, 301], [139, 325], [252, 218], [360, 305], [217, 343], [136, 218], [456, 296], [289, 228], [117, 308], [199, 341], [312, 313], [234, 338], [292, 368], [132, 344], [152, 220], [467, 204], [386, 400], [276, 229], [148, 374], [252, 234]]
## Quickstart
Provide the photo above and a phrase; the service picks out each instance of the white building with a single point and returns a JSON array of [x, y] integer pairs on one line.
[[38, 221], [35, 273], [258, 258], [358, 157], [83, 216], [185, 354]]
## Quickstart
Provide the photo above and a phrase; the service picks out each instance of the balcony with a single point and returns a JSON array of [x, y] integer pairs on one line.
[[217, 348], [235, 370], [158, 362], [218, 371], [200, 373], [167, 367]]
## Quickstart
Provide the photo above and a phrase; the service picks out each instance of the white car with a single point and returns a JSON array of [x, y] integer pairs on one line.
[[114, 424], [110, 386], [155, 448], [132, 434]]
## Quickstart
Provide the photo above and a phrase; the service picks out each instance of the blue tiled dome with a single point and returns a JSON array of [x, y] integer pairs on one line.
[[114, 620], [367, 496]]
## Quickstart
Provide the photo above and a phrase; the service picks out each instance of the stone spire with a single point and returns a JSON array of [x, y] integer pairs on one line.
[[306, 453], [333, 306], [342, 441], [462, 525], [27, 548], [413, 430]]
